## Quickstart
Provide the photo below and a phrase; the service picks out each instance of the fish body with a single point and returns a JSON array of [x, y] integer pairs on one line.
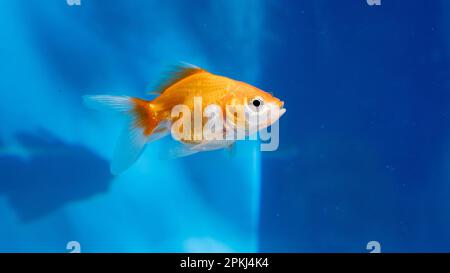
[[150, 120]]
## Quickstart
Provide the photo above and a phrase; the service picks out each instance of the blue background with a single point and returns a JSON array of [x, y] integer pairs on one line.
[[364, 152]]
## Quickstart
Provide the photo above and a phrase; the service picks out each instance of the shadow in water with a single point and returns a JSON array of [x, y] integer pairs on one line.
[[51, 174]]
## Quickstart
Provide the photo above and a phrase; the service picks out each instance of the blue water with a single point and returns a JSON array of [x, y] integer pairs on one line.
[[364, 151]]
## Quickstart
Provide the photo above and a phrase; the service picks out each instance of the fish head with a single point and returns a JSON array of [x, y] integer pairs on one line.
[[261, 108]]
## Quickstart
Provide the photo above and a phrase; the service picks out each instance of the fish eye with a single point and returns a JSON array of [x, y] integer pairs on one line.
[[257, 102]]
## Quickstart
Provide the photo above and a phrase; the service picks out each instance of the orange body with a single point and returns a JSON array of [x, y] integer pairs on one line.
[[188, 84]]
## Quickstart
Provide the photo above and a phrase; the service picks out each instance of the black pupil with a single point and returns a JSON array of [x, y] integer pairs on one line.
[[256, 103]]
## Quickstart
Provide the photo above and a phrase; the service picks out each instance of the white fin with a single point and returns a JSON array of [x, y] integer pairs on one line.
[[133, 138], [231, 150], [108, 103], [189, 65], [162, 130], [129, 147], [212, 145], [184, 150], [179, 151]]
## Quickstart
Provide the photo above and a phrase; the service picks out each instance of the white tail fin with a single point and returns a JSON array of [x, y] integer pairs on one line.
[[129, 147], [137, 130], [108, 103]]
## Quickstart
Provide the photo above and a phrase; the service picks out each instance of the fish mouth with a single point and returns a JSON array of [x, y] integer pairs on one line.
[[281, 110]]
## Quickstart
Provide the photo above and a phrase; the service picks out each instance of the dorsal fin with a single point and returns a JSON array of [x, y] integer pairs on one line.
[[177, 74]]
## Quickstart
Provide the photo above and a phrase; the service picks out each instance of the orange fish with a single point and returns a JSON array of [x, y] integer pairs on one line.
[[152, 119]]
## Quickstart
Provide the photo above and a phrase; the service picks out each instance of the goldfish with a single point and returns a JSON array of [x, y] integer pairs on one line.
[[220, 108]]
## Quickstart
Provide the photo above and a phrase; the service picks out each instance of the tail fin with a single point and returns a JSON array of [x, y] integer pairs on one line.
[[141, 122]]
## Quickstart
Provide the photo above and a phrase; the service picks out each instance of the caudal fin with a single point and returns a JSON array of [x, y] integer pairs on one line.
[[141, 122]]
